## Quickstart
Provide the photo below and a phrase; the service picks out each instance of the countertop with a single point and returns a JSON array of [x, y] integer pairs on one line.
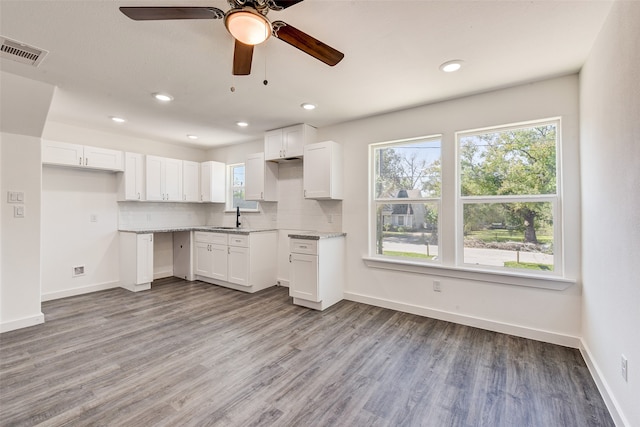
[[316, 235], [209, 228]]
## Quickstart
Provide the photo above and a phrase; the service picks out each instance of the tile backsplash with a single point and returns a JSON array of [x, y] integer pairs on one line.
[[292, 211]]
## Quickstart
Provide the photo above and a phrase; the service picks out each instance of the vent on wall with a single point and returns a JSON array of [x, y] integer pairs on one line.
[[20, 52]]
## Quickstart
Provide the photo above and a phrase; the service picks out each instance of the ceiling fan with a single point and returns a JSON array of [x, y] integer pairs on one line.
[[247, 22]]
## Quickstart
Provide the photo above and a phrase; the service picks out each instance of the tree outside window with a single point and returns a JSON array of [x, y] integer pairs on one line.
[[508, 196]]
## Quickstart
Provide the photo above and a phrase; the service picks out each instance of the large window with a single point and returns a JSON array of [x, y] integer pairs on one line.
[[406, 187], [508, 197], [235, 191], [491, 204]]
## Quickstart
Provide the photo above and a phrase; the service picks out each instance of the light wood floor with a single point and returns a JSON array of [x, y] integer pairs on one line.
[[186, 354]]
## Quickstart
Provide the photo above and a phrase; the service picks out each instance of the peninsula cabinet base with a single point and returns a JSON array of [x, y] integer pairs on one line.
[[322, 305]]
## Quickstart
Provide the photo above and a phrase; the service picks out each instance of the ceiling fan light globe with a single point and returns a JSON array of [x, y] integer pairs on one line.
[[247, 26]]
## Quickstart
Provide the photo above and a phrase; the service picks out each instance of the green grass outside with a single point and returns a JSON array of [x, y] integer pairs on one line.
[[407, 254], [529, 265], [507, 236]]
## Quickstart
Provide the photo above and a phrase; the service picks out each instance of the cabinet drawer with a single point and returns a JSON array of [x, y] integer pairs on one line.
[[203, 236], [239, 240], [304, 246]]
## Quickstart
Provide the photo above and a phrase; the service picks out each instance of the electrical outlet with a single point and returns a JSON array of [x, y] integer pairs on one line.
[[436, 286], [623, 366], [329, 218], [78, 270], [93, 218]]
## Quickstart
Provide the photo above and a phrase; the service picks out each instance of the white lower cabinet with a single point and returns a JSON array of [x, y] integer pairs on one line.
[[245, 262], [136, 261], [316, 275]]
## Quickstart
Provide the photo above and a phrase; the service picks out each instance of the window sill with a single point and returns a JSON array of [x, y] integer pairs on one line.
[[517, 279]]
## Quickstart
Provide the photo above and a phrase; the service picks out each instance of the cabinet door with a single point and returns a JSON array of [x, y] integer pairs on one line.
[[239, 265], [190, 181], [303, 277], [273, 144], [144, 258], [173, 179], [133, 176], [62, 153], [254, 177], [212, 182], [203, 265], [293, 140], [154, 168], [316, 171], [220, 256], [102, 158]]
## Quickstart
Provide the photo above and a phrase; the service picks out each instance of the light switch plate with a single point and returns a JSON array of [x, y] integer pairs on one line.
[[18, 211]]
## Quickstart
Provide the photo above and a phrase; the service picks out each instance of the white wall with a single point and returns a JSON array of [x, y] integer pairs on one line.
[[610, 155], [20, 280], [537, 313], [24, 105], [70, 197]]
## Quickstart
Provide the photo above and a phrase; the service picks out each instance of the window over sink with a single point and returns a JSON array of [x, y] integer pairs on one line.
[[236, 190]]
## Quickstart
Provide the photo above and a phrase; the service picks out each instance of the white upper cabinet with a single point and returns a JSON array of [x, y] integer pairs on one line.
[[212, 182], [288, 142], [164, 179], [82, 156], [190, 181], [131, 182], [322, 171], [261, 179]]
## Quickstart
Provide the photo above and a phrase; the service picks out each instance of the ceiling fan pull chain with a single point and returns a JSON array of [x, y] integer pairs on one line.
[[265, 81]]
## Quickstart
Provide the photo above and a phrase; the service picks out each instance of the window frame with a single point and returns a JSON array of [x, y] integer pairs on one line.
[[374, 201], [230, 189], [554, 199], [451, 221]]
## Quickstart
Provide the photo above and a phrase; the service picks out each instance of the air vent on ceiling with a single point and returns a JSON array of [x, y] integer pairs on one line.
[[21, 52]]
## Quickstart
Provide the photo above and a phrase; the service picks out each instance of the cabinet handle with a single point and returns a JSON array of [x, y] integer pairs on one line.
[[305, 193], [80, 161], [228, 250], [303, 247], [151, 238], [86, 161], [289, 257], [262, 195], [138, 196]]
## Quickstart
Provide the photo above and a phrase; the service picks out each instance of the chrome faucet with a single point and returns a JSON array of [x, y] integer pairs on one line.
[[238, 217]]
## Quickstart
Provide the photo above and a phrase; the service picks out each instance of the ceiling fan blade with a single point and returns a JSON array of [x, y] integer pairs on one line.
[[161, 13], [306, 43], [282, 4], [242, 56]]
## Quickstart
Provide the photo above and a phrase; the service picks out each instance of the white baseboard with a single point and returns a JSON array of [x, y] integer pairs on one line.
[[161, 274], [78, 291], [283, 282], [25, 322], [477, 322], [612, 404]]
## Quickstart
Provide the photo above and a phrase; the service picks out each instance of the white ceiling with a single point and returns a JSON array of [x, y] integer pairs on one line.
[[105, 64]]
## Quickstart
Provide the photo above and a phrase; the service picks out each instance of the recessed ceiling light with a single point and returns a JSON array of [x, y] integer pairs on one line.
[[451, 66], [242, 124], [164, 97], [117, 119], [192, 136], [308, 106]]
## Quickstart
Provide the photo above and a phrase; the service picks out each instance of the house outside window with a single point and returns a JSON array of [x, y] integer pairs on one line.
[[236, 190], [406, 198], [508, 203]]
